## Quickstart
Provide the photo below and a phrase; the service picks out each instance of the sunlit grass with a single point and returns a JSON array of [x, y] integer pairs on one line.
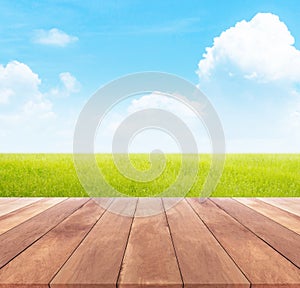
[[244, 175]]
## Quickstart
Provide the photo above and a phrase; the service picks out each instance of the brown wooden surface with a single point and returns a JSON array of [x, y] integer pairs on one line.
[[43, 259], [150, 254], [5, 200], [20, 237], [16, 204], [99, 258], [16, 217], [286, 219], [58, 242], [201, 259], [291, 205], [261, 264], [282, 239]]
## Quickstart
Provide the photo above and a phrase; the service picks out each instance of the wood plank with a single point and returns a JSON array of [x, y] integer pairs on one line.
[[5, 200], [97, 261], [42, 260], [16, 217], [279, 237], [261, 264], [291, 205], [289, 220], [202, 260], [19, 238], [150, 257], [16, 204]]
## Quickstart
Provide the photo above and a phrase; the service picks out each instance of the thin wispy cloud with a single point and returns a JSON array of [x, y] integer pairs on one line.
[[185, 25], [54, 37], [179, 26]]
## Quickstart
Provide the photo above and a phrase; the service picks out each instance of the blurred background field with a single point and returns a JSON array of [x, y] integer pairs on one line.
[[244, 175]]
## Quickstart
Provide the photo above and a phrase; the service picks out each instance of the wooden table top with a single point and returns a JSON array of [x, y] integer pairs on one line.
[[220, 242]]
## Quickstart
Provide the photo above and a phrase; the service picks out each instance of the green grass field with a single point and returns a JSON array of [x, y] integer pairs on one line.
[[244, 175]]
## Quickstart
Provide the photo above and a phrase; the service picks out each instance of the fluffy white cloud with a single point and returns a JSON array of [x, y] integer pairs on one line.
[[54, 37], [5, 94], [262, 48], [149, 101], [69, 85], [19, 88], [17, 79], [27, 117], [153, 137], [164, 102], [70, 82], [41, 108]]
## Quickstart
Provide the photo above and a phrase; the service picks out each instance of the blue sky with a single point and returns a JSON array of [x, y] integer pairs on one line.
[[55, 54]]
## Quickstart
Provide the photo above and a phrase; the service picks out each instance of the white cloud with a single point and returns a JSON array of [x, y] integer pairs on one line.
[[18, 79], [27, 116], [41, 108], [262, 48], [70, 82], [152, 137], [19, 87], [54, 37], [5, 94], [161, 101], [154, 100], [69, 85]]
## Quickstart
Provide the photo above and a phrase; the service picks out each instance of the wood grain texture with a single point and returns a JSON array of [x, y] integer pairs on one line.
[[279, 237], [261, 264], [21, 215], [97, 261], [16, 204], [202, 260], [77, 243], [286, 219], [288, 204], [5, 200], [150, 257], [19, 238], [43, 259]]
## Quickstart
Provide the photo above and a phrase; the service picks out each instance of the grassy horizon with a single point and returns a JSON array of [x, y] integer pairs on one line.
[[244, 175]]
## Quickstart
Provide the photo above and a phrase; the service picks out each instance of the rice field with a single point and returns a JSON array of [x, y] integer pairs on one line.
[[244, 175]]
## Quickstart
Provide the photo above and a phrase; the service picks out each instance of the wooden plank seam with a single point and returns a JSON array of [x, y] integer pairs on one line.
[[165, 213], [220, 243], [1, 266], [63, 264], [118, 278], [256, 234]]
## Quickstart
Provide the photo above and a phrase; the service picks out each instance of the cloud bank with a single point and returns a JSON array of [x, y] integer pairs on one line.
[[262, 49]]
